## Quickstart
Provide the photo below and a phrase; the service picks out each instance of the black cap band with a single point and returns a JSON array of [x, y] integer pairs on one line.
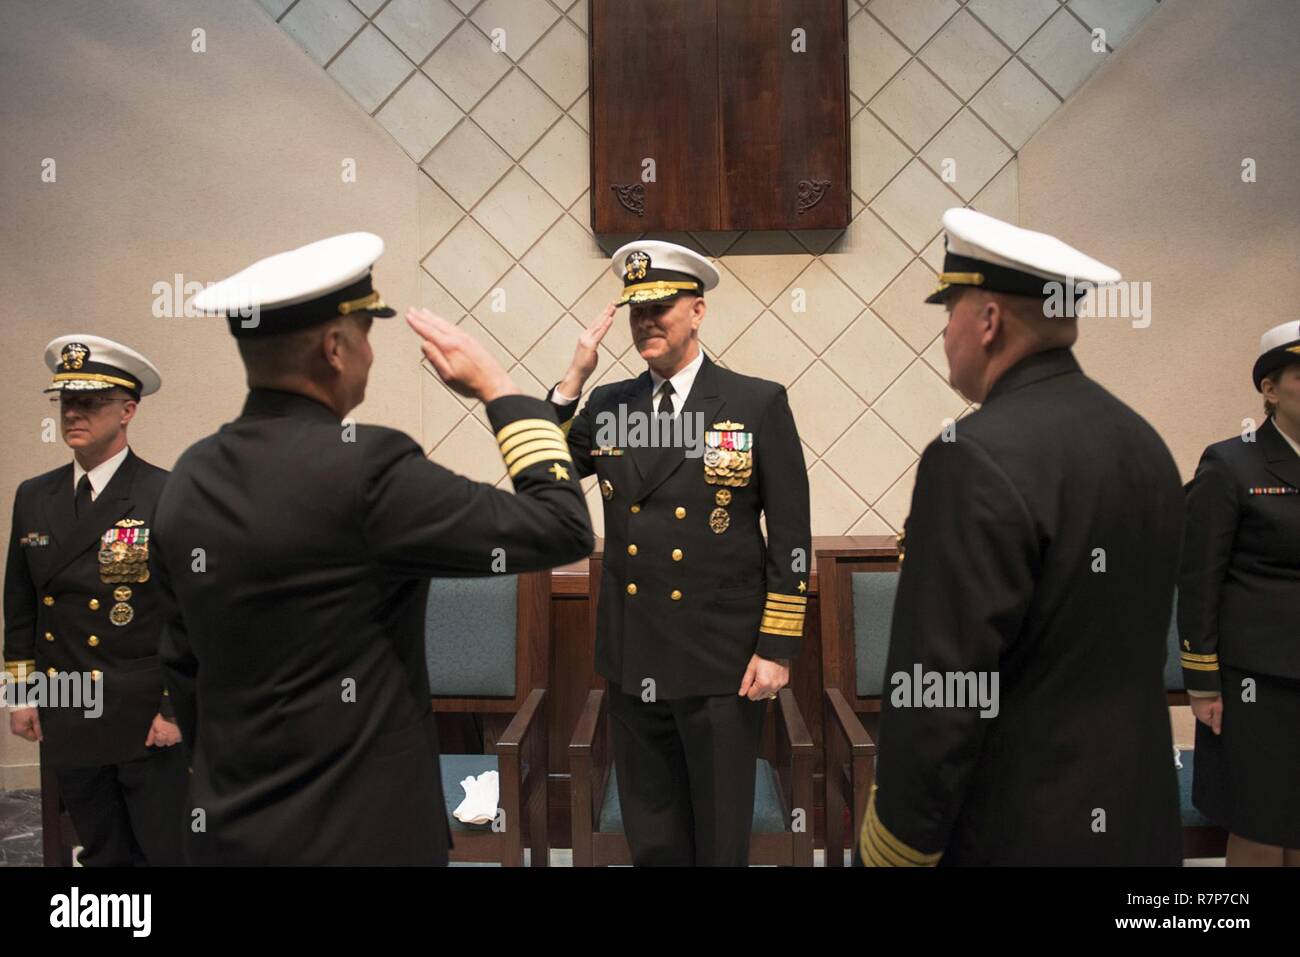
[[359, 298], [1273, 360]]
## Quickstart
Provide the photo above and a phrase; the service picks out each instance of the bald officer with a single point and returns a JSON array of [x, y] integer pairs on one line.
[[699, 616], [298, 547], [1041, 556], [82, 617]]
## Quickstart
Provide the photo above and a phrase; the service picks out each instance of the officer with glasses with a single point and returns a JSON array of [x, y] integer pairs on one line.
[[82, 625]]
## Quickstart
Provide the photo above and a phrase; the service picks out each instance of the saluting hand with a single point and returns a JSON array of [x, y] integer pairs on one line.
[[587, 354], [26, 723], [162, 733], [460, 360], [1209, 711], [764, 678]]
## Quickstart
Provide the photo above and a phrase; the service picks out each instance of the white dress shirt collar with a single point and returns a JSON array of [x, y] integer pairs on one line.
[[1295, 446], [101, 474], [682, 381]]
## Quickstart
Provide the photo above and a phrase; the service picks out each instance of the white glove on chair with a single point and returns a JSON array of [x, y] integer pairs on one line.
[[481, 796]]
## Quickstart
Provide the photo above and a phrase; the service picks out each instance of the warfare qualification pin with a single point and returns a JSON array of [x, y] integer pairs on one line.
[[719, 520], [121, 614]]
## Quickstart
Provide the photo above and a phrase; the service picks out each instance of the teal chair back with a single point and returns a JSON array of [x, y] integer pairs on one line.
[[873, 611], [470, 632]]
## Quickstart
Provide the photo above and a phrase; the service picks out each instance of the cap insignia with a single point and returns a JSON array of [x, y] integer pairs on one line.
[[636, 266], [74, 356]]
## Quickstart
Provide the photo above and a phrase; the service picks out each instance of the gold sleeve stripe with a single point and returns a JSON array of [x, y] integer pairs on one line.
[[535, 445], [772, 611], [800, 600], [1200, 666], [781, 628], [1190, 656], [878, 844], [546, 455], [20, 668], [531, 435], [519, 425]]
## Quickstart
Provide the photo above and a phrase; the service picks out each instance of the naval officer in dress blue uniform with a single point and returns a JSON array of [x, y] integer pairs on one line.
[[81, 604], [1239, 619], [297, 549], [699, 616], [1041, 549]]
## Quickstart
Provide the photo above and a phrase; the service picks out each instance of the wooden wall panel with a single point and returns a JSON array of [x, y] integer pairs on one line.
[[784, 114], [654, 93]]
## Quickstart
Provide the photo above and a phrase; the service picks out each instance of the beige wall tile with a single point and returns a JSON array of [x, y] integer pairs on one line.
[[465, 67], [466, 163], [914, 104], [964, 54], [869, 356], [912, 21], [917, 404], [516, 211], [874, 56], [870, 457], [524, 22]]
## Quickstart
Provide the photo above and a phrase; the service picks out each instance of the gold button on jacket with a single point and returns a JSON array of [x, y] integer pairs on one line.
[[676, 595], [680, 512], [631, 549], [631, 588], [93, 604], [677, 554], [93, 640], [49, 600]]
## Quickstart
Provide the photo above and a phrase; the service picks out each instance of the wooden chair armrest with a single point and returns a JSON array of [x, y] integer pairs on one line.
[[588, 723], [792, 722], [848, 725], [522, 724]]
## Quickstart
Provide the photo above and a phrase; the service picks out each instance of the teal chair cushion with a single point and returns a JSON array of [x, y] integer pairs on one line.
[[873, 610], [1191, 816], [469, 636], [456, 768], [768, 815]]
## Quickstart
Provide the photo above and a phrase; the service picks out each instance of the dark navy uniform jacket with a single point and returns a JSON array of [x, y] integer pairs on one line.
[[690, 588], [1042, 545], [298, 553], [63, 615], [1239, 596]]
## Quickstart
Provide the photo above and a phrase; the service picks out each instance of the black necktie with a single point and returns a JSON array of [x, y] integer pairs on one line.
[[82, 504], [666, 399]]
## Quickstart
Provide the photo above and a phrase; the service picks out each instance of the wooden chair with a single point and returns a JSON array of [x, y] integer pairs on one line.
[[782, 785], [487, 645], [857, 588]]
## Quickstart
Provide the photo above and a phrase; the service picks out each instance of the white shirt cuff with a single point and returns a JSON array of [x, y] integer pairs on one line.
[[559, 398]]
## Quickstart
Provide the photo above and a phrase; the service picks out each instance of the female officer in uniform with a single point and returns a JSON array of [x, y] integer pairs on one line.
[[1239, 619]]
